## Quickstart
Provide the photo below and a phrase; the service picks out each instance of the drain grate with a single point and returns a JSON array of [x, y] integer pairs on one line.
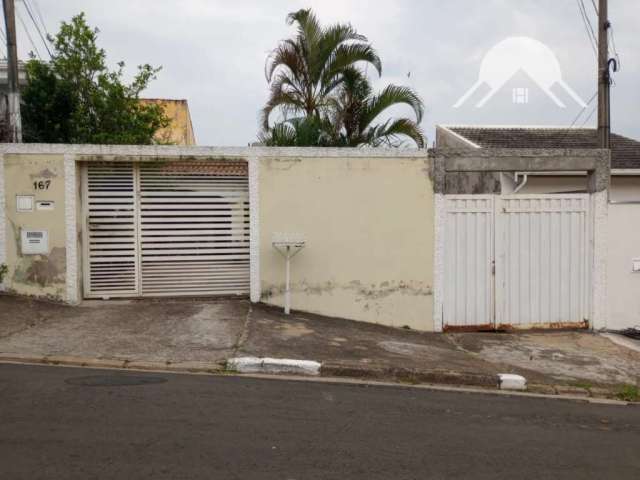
[[114, 380]]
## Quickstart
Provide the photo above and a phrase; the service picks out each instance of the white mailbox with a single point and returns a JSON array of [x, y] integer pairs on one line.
[[35, 242]]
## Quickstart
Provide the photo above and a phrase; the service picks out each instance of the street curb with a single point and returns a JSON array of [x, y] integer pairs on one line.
[[273, 365], [326, 370], [408, 375], [111, 363]]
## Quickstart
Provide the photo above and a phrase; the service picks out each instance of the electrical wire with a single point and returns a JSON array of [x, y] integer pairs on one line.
[[35, 24], [40, 16], [24, 25], [595, 107], [588, 27], [575, 120]]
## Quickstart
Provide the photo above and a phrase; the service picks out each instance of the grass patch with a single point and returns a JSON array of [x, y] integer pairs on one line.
[[629, 393], [585, 385]]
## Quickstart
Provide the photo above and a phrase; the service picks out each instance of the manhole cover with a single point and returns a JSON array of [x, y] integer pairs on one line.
[[114, 380]]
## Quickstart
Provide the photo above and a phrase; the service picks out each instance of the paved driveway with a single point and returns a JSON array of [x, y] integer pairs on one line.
[[136, 330]]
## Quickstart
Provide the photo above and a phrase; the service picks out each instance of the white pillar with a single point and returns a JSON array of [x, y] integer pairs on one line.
[[438, 262], [71, 228], [254, 229], [3, 220]]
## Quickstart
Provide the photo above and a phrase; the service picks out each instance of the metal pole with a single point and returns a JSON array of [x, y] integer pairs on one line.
[[287, 291], [604, 108]]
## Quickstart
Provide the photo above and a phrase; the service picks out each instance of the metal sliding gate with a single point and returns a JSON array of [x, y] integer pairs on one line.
[[166, 229], [516, 261]]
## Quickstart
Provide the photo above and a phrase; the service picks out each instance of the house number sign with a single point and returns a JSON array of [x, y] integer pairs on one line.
[[41, 184]]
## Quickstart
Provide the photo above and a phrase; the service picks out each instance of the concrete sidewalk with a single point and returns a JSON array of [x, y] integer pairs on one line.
[[200, 335]]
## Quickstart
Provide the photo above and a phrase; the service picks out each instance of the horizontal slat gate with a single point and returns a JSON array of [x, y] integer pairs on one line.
[[194, 229], [190, 229], [112, 247]]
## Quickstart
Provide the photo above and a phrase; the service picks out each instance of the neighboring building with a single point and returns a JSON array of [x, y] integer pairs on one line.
[[625, 156], [180, 130], [623, 212], [4, 76]]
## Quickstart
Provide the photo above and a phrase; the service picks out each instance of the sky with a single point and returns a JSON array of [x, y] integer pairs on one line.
[[213, 53]]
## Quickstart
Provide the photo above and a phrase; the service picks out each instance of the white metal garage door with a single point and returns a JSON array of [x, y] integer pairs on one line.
[[166, 229], [516, 261]]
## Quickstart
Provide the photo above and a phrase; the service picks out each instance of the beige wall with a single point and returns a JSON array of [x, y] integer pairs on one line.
[[369, 227], [38, 275]]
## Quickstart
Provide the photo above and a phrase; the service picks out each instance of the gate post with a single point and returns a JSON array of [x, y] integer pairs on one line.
[[598, 185], [254, 229], [438, 166]]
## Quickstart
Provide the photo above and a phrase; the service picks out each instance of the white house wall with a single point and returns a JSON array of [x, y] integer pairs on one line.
[[623, 282]]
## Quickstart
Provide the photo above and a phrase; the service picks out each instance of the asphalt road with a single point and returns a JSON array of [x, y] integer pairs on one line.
[[83, 424]]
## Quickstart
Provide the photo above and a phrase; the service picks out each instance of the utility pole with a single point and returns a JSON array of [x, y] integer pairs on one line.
[[604, 78], [13, 97]]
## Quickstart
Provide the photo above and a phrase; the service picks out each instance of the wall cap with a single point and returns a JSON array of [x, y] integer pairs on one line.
[[202, 151]]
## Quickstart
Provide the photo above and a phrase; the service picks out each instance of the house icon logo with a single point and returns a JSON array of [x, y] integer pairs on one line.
[[520, 54]]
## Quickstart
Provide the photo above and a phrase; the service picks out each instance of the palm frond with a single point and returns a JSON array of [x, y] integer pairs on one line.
[[287, 101], [390, 96], [347, 55], [392, 132]]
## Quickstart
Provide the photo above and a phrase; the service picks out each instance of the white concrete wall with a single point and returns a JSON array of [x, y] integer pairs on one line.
[[622, 284]]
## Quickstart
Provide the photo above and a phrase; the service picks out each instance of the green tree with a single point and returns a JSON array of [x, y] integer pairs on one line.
[[76, 98], [324, 96]]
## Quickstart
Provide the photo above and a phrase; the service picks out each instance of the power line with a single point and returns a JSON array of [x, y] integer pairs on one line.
[[24, 25], [40, 16], [588, 27], [35, 24], [575, 120], [593, 110]]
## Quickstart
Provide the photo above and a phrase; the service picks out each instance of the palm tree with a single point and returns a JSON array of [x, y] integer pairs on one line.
[[303, 72], [357, 107]]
